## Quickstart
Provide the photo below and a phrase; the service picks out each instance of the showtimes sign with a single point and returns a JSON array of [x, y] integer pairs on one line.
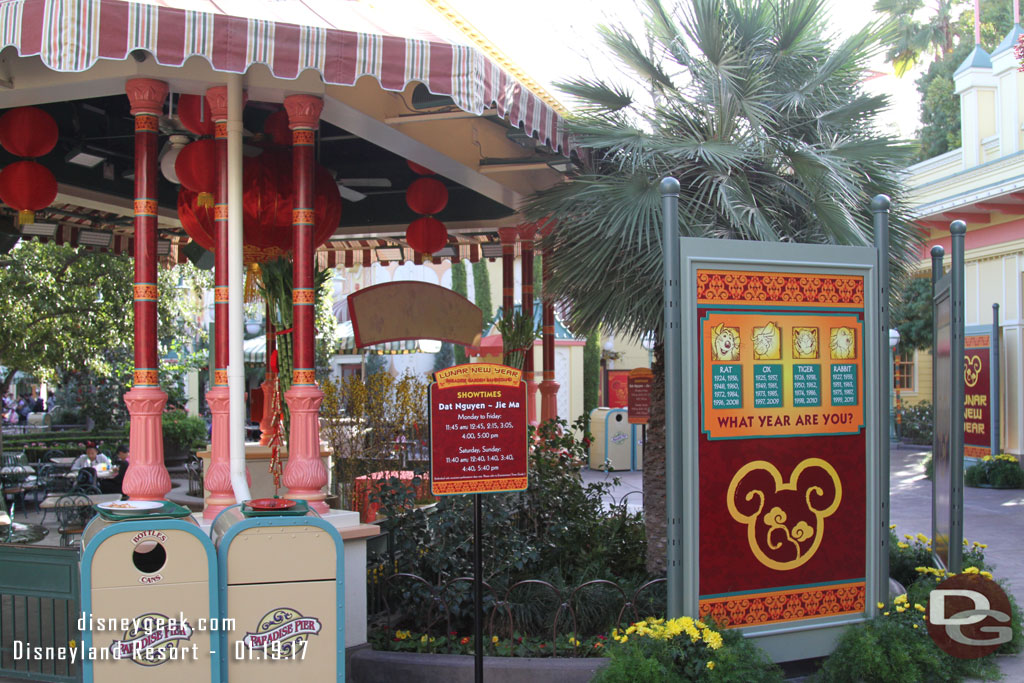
[[478, 430]]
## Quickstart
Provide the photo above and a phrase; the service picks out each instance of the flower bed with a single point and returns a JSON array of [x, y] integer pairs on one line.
[[997, 472]]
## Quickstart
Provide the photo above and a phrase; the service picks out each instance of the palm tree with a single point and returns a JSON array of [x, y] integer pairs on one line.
[[907, 39], [763, 121]]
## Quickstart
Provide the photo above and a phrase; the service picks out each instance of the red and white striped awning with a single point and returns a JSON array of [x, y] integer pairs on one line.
[[397, 42]]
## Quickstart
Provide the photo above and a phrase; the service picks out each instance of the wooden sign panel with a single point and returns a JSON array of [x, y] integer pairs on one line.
[[478, 430], [640, 380]]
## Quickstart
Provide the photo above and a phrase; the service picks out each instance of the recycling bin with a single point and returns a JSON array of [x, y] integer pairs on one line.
[[613, 443], [282, 595], [150, 605]]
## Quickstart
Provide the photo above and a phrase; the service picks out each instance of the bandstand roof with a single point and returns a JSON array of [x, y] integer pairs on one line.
[[401, 79]]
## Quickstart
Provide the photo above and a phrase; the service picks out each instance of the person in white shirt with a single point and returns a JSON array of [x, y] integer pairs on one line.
[[91, 458]]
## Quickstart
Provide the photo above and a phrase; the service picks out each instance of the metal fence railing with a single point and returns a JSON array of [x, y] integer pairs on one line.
[[40, 599]]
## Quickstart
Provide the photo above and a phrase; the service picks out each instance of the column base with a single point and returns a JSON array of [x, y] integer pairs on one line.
[[147, 477], [305, 474], [218, 478], [548, 400]]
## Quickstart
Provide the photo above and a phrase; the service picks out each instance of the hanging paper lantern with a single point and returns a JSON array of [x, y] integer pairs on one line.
[[267, 202], [28, 132], [420, 170], [27, 186], [426, 235], [194, 112], [276, 127], [196, 168], [426, 196]]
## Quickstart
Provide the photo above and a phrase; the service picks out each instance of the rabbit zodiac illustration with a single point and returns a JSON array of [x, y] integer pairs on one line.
[[785, 520], [725, 343], [805, 342], [767, 344], [843, 343]]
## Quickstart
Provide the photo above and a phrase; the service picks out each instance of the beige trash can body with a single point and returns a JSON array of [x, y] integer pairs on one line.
[[150, 605], [612, 447], [282, 597]]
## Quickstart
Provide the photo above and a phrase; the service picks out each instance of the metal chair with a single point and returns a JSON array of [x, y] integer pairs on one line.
[[73, 512], [86, 477], [194, 468], [50, 480]]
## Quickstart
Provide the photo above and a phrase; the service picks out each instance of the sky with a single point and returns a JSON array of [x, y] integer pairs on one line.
[[553, 39]]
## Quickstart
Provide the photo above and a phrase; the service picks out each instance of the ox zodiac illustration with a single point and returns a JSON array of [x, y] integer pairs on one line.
[[785, 520]]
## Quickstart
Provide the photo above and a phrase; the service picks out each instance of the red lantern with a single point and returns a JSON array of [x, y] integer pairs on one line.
[[28, 132], [276, 126], [27, 186], [267, 202], [196, 167], [427, 196], [194, 112], [426, 235], [420, 170]]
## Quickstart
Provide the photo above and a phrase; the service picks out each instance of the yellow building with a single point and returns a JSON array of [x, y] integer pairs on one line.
[[981, 183]]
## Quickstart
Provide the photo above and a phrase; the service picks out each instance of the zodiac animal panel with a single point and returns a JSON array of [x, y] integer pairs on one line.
[[785, 520], [767, 342], [725, 343]]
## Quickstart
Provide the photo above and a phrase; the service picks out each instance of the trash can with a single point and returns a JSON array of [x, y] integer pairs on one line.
[[612, 447], [282, 575], [149, 596]]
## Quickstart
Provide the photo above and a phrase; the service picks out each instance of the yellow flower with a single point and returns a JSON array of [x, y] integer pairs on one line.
[[72, 644], [423, 638], [881, 605], [924, 539], [901, 599], [909, 537], [971, 570], [892, 526], [987, 575], [902, 545], [901, 609], [919, 607], [915, 625], [573, 641], [494, 639], [885, 614], [711, 666]]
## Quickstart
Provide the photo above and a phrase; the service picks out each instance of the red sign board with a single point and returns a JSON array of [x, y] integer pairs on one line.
[[478, 430], [977, 412], [640, 380], [618, 389]]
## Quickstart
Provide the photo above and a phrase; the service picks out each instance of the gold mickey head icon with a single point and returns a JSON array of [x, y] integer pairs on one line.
[[972, 368], [785, 520]]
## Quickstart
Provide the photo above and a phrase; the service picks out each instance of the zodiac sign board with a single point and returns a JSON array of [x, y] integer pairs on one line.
[[478, 430], [977, 412], [781, 446]]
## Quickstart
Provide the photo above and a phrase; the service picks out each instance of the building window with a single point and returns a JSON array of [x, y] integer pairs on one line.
[[903, 371]]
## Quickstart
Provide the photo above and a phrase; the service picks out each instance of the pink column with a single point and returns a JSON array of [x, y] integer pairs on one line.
[[548, 387], [526, 235], [304, 474], [147, 478]]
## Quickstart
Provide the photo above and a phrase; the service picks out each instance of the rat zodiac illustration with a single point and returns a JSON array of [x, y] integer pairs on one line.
[[843, 343], [972, 368], [767, 344], [805, 342], [785, 520], [725, 343]]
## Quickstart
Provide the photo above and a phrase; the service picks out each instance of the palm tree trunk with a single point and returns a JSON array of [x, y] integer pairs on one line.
[[655, 516]]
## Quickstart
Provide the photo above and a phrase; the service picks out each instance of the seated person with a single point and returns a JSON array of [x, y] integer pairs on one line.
[[91, 458], [113, 485]]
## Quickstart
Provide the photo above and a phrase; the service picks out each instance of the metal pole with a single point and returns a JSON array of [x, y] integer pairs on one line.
[[880, 218], [994, 382], [478, 594], [672, 349], [957, 230], [937, 254]]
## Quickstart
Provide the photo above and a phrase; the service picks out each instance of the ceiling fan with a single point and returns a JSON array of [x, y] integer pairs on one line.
[[346, 185]]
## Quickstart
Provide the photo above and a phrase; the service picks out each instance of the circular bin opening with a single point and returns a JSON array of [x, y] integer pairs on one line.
[[618, 417], [149, 557]]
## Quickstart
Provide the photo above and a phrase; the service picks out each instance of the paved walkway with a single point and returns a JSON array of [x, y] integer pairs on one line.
[[991, 516]]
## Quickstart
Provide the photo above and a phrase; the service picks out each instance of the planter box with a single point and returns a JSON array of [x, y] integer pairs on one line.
[[377, 666]]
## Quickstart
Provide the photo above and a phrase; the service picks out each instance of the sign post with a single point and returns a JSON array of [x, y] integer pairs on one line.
[[781, 464], [478, 445]]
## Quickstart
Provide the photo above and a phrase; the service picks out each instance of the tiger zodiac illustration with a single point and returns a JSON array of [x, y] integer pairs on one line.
[[972, 369], [725, 343], [805, 342], [843, 343], [785, 520], [767, 342]]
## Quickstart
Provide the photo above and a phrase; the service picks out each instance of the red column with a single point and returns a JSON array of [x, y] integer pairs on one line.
[[548, 387], [269, 385], [305, 474], [526, 235], [218, 477], [147, 478]]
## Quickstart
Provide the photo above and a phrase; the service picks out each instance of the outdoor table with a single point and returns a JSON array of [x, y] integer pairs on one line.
[[100, 474], [22, 533], [65, 462], [50, 502]]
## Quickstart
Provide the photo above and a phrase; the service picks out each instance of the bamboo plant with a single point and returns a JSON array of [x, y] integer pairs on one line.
[[518, 332]]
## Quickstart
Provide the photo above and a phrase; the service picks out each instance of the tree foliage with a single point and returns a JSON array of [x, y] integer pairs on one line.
[[460, 285], [482, 291], [912, 314]]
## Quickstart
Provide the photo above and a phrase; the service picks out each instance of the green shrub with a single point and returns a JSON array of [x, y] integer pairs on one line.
[[917, 423], [1000, 471], [684, 649], [183, 430]]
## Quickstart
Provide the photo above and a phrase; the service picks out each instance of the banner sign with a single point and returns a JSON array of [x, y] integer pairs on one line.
[[977, 411], [782, 447], [478, 430], [618, 389], [640, 380]]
